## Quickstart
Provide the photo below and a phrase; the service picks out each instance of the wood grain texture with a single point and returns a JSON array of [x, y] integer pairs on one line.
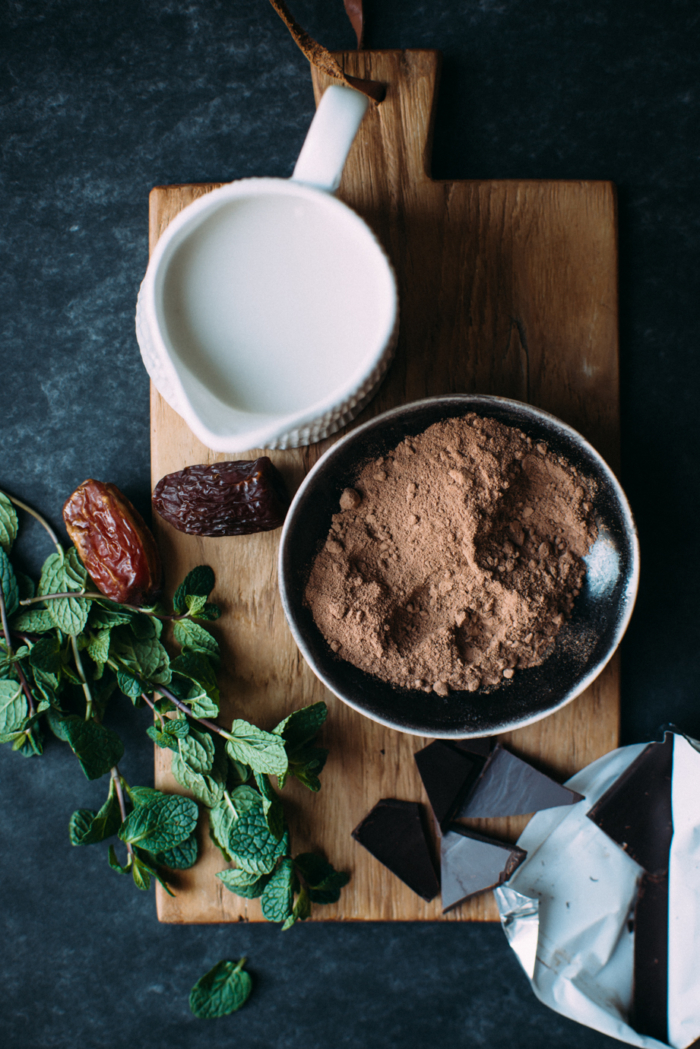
[[507, 287]]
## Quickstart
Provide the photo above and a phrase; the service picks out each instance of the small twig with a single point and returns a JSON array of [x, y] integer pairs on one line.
[[157, 713], [211, 725], [42, 520], [87, 595], [117, 780], [83, 679], [10, 652]]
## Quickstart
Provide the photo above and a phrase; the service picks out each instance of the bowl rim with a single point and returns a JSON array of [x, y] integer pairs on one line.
[[483, 400]]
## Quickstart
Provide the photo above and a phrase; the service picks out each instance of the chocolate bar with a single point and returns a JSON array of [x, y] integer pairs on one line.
[[509, 786], [472, 863], [636, 810], [393, 833], [448, 773]]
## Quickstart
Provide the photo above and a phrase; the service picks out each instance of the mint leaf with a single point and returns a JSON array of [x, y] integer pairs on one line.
[[145, 659], [87, 827], [301, 911], [272, 806], [278, 897], [96, 747], [129, 684], [108, 614], [63, 573], [9, 525], [209, 611], [263, 751], [115, 864], [195, 638], [13, 710], [209, 789], [144, 795], [241, 883], [199, 583], [181, 857], [195, 666], [221, 991], [160, 824], [225, 813], [323, 880], [173, 730], [164, 740], [197, 751], [46, 656], [251, 845], [33, 622], [8, 583], [98, 646], [302, 725], [195, 603]]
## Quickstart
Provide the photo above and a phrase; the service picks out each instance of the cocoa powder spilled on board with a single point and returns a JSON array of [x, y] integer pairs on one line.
[[455, 560]]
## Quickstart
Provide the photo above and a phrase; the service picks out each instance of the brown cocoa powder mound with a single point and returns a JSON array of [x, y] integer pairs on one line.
[[455, 560]]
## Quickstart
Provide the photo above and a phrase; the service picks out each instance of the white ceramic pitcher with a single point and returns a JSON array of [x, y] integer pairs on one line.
[[268, 315]]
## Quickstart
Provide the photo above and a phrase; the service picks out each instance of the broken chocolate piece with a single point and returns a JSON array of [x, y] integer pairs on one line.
[[509, 786], [447, 775], [480, 747], [393, 832], [472, 863], [650, 1009], [636, 811]]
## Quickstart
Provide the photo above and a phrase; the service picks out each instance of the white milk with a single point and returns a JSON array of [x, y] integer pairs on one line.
[[263, 306]]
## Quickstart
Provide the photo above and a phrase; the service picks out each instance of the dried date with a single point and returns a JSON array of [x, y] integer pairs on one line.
[[231, 498], [114, 543]]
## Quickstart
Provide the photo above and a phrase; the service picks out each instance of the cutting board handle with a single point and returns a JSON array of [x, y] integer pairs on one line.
[[400, 129]]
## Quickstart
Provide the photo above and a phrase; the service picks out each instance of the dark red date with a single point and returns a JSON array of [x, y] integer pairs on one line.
[[232, 498], [114, 543]]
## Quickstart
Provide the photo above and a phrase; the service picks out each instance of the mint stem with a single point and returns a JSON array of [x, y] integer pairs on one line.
[[157, 713], [83, 679], [117, 780], [87, 595], [42, 520], [211, 725], [20, 673]]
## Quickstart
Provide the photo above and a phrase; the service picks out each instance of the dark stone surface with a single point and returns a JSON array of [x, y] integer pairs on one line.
[[99, 102]]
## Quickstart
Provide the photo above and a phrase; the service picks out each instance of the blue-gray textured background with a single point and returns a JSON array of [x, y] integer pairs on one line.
[[99, 101]]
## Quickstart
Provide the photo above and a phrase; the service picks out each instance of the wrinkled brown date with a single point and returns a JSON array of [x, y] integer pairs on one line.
[[233, 498], [114, 543]]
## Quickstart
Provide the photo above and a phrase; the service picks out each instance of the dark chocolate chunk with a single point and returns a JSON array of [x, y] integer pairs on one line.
[[480, 747], [509, 786], [472, 863], [447, 775], [650, 1008], [393, 832], [636, 811]]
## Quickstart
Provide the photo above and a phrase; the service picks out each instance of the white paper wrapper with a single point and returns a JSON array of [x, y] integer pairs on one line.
[[577, 888]]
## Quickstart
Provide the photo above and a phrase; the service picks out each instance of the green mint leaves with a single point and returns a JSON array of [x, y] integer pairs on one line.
[[161, 824], [221, 991]]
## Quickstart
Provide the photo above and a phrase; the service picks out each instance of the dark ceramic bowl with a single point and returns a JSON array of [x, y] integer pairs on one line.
[[585, 643]]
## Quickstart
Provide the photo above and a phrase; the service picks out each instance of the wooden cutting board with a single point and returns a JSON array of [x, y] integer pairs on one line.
[[507, 287]]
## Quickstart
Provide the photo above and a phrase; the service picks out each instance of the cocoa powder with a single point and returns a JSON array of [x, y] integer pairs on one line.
[[455, 560]]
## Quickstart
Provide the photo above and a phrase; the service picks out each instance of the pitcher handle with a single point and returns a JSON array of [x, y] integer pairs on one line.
[[329, 138]]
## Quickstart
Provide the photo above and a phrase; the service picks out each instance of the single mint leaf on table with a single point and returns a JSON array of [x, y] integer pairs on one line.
[[88, 828], [195, 638], [9, 525], [221, 991], [278, 898], [263, 751], [198, 583], [160, 824], [242, 883], [8, 584], [252, 846], [181, 857], [96, 747]]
